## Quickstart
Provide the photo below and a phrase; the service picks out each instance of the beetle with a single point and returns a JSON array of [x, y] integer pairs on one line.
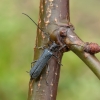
[[43, 60], [45, 57]]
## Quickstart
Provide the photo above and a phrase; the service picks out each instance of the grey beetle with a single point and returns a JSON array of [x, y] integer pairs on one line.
[[43, 60], [45, 57]]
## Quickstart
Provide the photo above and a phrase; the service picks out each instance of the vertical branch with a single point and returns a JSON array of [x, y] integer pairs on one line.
[[52, 13]]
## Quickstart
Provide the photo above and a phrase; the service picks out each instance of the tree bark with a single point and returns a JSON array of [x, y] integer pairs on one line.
[[52, 13]]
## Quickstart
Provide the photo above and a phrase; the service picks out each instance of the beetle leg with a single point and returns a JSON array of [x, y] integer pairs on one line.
[[58, 61], [42, 47], [62, 47], [27, 71], [33, 62]]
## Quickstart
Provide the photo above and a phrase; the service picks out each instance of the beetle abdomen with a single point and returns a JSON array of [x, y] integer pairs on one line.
[[40, 64]]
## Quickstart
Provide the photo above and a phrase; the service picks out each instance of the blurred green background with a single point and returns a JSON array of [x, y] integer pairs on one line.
[[17, 39]]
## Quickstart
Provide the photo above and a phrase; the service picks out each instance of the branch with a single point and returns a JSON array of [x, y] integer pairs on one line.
[[89, 59], [51, 14]]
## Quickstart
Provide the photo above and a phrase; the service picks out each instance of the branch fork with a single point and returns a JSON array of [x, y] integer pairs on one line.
[[85, 51]]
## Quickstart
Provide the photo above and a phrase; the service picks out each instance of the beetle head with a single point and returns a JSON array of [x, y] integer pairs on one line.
[[54, 47]]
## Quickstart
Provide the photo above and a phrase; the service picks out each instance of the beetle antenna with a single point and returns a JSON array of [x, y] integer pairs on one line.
[[35, 23]]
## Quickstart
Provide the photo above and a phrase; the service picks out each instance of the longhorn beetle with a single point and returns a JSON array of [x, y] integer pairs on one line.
[[44, 58]]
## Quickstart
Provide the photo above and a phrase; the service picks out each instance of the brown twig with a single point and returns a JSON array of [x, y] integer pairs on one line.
[[89, 59]]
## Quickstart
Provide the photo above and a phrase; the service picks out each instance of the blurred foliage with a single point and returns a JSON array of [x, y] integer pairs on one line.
[[17, 39]]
